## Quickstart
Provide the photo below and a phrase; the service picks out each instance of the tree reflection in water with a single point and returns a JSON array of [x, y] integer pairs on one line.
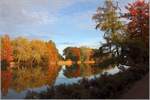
[[26, 78], [6, 78], [84, 70]]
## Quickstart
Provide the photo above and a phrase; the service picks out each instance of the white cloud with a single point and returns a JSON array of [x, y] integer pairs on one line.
[[28, 13], [17, 13]]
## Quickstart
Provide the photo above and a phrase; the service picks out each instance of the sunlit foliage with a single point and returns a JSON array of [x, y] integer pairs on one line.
[[21, 50], [107, 20], [76, 54], [52, 52], [37, 50], [27, 53], [86, 53], [6, 51]]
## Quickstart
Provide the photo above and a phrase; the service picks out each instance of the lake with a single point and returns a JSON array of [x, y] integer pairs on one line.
[[17, 82]]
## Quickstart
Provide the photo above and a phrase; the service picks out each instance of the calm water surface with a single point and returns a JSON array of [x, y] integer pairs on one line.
[[16, 83]]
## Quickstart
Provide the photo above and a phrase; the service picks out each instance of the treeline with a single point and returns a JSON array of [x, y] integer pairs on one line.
[[22, 52], [78, 54]]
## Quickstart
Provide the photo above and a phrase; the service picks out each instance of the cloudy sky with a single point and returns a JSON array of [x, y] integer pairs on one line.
[[66, 22]]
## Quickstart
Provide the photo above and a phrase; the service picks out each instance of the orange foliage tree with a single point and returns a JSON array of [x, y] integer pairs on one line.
[[32, 53], [6, 51], [76, 52], [52, 52], [81, 53]]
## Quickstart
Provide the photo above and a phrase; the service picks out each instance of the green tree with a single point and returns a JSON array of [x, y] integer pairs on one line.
[[108, 21]]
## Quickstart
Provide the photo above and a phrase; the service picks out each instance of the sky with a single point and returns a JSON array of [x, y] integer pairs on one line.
[[66, 22]]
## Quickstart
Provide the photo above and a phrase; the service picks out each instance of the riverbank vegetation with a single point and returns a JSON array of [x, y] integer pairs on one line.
[[27, 53]]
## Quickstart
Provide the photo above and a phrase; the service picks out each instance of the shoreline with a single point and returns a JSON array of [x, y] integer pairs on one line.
[[69, 62]]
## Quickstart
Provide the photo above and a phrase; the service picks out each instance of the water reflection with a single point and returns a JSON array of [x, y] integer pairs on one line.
[[23, 79], [84, 70], [6, 78], [20, 81], [33, 78]]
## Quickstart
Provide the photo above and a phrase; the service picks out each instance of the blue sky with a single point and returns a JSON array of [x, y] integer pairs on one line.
[[66, 22]]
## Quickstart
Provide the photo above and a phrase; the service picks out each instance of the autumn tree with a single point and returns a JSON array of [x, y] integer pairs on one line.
[[72, 53], [138, 31], [128, 42], [38, 51], [6, 51], [86, 53], [52, 52], [138, 27], [107, 20], [31, 53], [21, 51], [80, 53], [76, 53], [66, 52]]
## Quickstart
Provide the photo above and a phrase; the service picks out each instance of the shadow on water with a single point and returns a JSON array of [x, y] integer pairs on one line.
[[17, 82]]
